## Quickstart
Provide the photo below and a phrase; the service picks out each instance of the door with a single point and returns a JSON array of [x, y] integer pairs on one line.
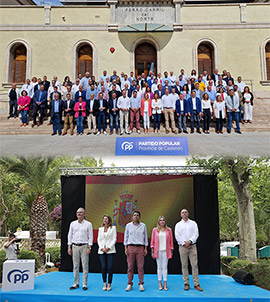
[[145, 59]]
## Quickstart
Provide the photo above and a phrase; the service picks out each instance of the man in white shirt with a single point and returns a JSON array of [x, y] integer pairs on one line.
[[241, 85], [80, 241], [11, 248], [75, 86], [186, 234], [29, 88], [125, 82], [124, 104], [168, 104]]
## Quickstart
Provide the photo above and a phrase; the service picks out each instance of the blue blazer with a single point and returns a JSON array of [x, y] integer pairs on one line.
[[77, 96], [151, 82], [110, 106], [163, 90], [43, 100], [178, 108], [198, 105], [61, 107]]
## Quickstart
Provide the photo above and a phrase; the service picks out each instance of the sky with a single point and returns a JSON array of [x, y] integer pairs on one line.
[[47, 2]]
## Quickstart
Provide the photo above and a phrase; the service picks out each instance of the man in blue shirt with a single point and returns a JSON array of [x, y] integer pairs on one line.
[[39, 104], [56, 107], [114, 113]]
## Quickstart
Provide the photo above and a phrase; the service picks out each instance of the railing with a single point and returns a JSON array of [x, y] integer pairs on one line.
[[25, 244], [249, 83]]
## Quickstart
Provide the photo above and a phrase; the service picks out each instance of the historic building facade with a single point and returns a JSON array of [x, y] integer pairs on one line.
[[132, 36]]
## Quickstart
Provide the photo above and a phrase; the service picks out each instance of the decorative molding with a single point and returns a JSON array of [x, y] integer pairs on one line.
[[195, 52], [75, 55], [149, 39], [47, 10], [8, 69], [243, 13], [265, 83], [263, 61]]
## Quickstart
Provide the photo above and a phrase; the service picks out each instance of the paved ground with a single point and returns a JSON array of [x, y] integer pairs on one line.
[[246, 144]]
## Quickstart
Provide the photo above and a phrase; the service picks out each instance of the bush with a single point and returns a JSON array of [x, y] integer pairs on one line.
[[261, 273], [244, 265], [30, 255], [227, 260], [55, 253], [2, 259]]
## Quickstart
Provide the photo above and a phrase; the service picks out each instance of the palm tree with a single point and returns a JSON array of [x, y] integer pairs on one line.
[[40, 179]]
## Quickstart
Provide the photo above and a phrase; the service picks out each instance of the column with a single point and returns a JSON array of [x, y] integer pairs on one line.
[[243, 13], [47, 10], [177, 8], [113, 25]]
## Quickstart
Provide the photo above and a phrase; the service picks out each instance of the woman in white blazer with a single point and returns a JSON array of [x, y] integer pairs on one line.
[[106, 250]]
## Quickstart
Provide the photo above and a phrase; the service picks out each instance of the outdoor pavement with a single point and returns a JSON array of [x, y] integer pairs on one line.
[[255, 144]]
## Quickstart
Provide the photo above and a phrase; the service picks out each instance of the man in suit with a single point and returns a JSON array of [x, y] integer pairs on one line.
[[13, 95], [166, 86], [114, 113], [46, 83], [182, 111], [114, 90], [72, 95], [215, 76], [189, 85], [232, 104], [195, 109], [91, 118], [81, 93], [39, 103], [100, 107], [68, 114], [37, 86], [159, 91], [56, 107]]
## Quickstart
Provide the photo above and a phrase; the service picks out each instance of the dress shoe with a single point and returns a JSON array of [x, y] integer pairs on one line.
[[229, 131], [129, 288], [85, 287], [121, 133], [175, 131], [33, 125], [64, 133], [185, 131], [167, 131], [198, 131], [38, 124], [192, 131], [53, 134], [88, 133], [239, 132], [221, 132], [21, 125], [71, 133], [186, 287], [180, 131], [217, 132], [117, 132], [74, 286], [197, 287], [60, 133], [111, 132]]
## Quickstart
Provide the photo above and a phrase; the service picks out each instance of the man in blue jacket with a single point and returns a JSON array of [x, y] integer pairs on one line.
[[114, 113], [39, 104], [195, 109], [57, 107], [182, 111]]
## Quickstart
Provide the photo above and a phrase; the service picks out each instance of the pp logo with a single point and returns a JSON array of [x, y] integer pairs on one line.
[[127, 146], [16, 276]]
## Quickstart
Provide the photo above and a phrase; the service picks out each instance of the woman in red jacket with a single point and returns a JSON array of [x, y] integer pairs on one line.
[[80, 114], [162, 248], [146, 111], [23, 104]]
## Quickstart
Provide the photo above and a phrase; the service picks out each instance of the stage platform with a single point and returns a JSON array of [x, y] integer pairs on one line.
[[54, 287]]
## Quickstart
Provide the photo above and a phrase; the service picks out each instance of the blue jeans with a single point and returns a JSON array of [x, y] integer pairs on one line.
[[235, 116], [79, 121], [194, 113], [56, 123], [13, 104], [240, 115], [101, 116], [182, 118], [106, 261], [24, 116], [157, 117], [114, 117]]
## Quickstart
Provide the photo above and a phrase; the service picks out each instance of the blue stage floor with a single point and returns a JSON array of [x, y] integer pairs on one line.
[[54, 287]]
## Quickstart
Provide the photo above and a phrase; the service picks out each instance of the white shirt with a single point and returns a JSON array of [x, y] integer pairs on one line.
[[107, 239], [219, 107], [124, 83], [155, 105], [185, 231], [207, 105], [241, 86], [182, 105], [11, 251], [146, 106], [194, 103], [154, 87], [29, 88], [80, 232], [123, 102], [173, 79], [168, 101], [75, 88], [162, 240], [91, 104]]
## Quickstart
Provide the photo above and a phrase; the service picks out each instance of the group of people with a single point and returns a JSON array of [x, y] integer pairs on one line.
[[80, 241], [125, 100]]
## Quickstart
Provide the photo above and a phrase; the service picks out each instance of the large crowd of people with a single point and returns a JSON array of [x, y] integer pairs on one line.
[[126, 100]]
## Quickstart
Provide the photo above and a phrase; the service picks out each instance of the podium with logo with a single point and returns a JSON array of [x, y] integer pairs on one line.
[[18, 275]]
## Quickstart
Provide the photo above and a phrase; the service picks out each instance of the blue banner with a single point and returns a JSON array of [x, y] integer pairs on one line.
[[154, 146]]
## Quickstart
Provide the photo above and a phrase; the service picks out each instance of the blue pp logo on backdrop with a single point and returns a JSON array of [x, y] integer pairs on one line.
[[17, 276], [153, 146]]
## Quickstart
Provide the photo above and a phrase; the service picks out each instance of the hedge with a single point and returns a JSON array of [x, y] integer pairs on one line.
[[55, 253], [259, 270], [227, 260]]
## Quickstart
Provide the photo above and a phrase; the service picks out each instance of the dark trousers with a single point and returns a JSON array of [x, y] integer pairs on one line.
[[101, 117], [114, 118], [56, 123], [41, 110], [195, 114], [106, 261], [157, 121], [13, 107], [219, 125], [206, 119]]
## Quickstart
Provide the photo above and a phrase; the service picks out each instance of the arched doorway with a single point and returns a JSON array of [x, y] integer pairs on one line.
[[205, 58], [267, 58], [145, 59], [19, 63], [85, 59]]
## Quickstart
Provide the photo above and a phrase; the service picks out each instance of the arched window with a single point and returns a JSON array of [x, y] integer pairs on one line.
[[19, 58], [205, 58], [145, 59], [267, 59], [85, 59]]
